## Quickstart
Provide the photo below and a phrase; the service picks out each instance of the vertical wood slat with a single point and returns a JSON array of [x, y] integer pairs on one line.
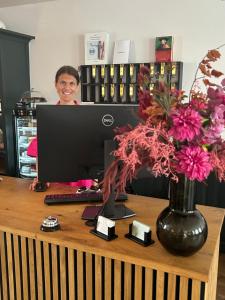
[[117, 280], [196, 289], [24, 268], [138, 283], [47, 270], [80, 276], [171, 287], [98, 277], [10, 265], [210, 290], [0, 265], [3, 265], [160, 285], [71, 277], [89, 274], [183, 288], [148, 283], [127, 281], [55, 281], [108, 278], [32, 269], [39, 270], [17, 267], [63, 272]]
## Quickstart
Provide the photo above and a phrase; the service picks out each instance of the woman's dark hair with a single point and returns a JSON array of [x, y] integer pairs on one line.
[[67, 70]]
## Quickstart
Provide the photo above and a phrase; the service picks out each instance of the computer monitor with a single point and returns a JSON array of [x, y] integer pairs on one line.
[[74, 142]]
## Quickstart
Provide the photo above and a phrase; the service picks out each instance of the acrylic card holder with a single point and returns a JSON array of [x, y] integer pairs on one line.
[[105, 229], [145, 240]]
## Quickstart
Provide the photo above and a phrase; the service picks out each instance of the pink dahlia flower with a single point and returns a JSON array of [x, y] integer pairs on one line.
[[186, 124], [193, 162]]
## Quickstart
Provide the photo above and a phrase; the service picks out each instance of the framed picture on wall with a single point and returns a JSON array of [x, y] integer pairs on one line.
[[96, 47], [164, 48]]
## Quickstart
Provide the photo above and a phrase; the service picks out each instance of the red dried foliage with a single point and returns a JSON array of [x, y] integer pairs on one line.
[[146, 145]]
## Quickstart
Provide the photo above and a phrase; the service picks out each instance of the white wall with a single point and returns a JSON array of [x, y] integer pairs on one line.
[[59, 26]]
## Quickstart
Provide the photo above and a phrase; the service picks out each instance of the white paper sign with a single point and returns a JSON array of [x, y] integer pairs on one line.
[[96, 47], [103, 224], [121, 51], [139, 229]]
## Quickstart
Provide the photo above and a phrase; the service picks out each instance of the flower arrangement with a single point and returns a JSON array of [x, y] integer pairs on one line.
[[175, 135]]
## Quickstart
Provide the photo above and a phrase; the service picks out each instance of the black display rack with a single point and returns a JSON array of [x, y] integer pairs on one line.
[[118, 83]]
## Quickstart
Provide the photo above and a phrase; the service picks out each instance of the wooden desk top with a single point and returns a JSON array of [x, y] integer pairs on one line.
[[22, 211]]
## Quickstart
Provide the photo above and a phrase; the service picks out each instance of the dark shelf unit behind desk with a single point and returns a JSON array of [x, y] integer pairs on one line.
[[118, 83], [14, 80]]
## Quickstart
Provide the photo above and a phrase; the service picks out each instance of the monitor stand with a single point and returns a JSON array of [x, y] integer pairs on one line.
[[115, 211], [110, 209]]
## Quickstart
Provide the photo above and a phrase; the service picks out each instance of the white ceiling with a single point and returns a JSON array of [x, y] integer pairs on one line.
[[6, 3]]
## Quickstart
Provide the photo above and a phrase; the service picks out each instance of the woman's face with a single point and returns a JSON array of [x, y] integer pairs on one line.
[[67, 88]]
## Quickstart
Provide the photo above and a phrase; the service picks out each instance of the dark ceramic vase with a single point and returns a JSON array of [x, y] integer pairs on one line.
[[181, 228]]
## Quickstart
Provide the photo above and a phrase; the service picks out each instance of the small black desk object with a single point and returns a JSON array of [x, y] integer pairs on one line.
[[106, 232], [147, 241]]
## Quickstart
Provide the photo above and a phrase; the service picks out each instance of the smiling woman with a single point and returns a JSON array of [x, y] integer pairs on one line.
[[67, 85]]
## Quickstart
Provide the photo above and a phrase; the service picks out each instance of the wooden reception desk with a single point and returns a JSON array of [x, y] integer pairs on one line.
[[75, 264]]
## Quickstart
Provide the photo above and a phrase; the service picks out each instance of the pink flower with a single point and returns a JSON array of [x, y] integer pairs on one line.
[[218, 115], [216, 96], [198, 104], [212, 134], [193, 162], [186, 124]]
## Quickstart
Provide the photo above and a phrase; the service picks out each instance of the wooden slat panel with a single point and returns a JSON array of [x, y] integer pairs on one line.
[[71, 274], [89, 275], [117, 279], [47, 270], [138, 283], [171, 286], [10, 266], [17, 267], [160, 285], [98, 277], [196, 289], [80, 276], [63, 272], [24, 268], [55, 280], [127, 281], [3, 263], [32, 269], [148, 283], [183, 288], [108, 278]]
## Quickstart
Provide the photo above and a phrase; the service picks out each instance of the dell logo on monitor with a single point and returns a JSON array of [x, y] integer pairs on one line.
[[107, 120]]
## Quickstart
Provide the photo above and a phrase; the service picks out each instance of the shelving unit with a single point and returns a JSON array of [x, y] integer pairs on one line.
[[118, 83], [14, 80], [25, 131]]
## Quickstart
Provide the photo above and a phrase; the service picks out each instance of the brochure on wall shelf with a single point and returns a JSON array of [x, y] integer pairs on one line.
[[164, 49], [96, 47], [122, 51]]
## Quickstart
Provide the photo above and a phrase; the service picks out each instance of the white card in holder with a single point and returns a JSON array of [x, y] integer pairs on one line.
[[103, 224], [139, 229]]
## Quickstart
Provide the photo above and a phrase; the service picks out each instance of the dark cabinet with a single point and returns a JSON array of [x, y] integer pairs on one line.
[[14, 80], [118, 83]]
